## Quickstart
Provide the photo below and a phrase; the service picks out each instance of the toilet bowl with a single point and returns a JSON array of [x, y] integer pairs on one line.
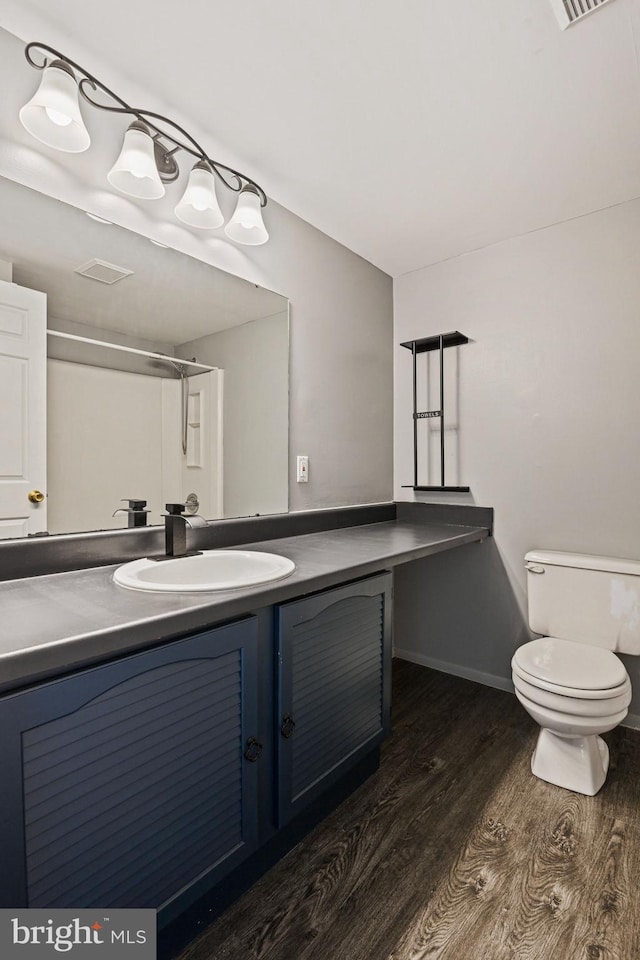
[[571, 724], [570, 752], [569, 680]]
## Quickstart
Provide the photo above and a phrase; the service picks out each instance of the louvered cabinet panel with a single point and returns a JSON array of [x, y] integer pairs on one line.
[[334, 658], [133, 778]]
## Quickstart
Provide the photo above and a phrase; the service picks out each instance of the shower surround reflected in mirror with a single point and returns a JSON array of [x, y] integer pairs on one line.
[[122, 424]]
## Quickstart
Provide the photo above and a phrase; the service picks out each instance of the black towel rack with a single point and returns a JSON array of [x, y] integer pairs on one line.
[[439, 342]]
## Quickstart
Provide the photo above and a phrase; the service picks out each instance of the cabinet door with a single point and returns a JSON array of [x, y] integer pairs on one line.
[[334, 687], [127, 784]]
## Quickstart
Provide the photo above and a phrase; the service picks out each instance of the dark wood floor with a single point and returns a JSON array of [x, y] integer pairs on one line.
[[453, 850]]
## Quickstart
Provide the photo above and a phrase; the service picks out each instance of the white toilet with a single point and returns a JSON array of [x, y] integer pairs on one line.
[[570, 680]]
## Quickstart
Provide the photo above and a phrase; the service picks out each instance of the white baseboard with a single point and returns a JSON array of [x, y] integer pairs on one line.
[[632, 720], [468, 673]]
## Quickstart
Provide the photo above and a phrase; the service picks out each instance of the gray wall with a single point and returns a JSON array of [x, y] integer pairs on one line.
[[549, 410], [341, 306], [457, 612], [255, 359]]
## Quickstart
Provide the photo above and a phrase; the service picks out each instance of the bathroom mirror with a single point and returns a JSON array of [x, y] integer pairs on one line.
[[119, 423]]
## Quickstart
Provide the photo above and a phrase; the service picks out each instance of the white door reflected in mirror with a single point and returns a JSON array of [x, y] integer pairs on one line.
[[23, 434]]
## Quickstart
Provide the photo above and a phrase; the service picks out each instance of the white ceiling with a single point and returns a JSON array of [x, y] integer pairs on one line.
[[411, 131]]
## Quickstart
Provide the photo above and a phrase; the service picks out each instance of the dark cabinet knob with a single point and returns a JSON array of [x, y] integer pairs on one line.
[[253, 750], [287, 726]]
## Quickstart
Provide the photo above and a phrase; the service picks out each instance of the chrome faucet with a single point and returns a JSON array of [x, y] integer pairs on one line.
[[175, 530]]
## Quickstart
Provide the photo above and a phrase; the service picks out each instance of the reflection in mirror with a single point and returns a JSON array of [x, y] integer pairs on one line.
[[161, 378]]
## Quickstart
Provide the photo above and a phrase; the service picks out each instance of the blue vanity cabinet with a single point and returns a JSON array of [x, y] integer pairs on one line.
[[134, 783], [171, 778], [334, 687]]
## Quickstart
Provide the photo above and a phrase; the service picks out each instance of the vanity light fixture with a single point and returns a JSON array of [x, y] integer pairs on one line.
[[53, 115], [199, 204], [135, 172], [147, 160], [246, 224]]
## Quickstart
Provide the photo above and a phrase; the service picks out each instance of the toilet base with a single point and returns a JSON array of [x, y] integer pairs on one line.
[[575, 763]]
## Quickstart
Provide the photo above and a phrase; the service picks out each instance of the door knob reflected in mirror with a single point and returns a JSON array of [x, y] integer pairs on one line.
[[35, 496]]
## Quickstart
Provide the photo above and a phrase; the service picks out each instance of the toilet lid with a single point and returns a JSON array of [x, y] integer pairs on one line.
[[568, 664], [517, 673]]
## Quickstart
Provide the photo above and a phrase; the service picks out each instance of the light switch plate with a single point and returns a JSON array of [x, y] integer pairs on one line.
[[302, 469]]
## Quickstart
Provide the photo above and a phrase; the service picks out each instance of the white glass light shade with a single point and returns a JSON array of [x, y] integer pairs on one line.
[[199, 205], [135, 172], [246, 224], [53, 115]]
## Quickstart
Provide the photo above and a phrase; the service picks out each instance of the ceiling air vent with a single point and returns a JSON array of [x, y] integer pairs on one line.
[[103, 271], [570, 11]]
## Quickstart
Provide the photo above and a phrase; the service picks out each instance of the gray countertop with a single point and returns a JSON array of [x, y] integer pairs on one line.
[[53, 624]]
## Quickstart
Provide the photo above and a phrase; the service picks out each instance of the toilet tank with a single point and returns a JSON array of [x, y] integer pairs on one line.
[[592, 600]]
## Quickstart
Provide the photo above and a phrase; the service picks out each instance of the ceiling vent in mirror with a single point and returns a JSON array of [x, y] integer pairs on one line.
[[570, 11], [103, 271]]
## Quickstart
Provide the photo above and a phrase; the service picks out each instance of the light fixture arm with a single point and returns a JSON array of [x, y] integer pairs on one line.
[[232, 179]]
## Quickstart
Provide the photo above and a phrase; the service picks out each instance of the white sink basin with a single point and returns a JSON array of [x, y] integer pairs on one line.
[[211, 570]]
